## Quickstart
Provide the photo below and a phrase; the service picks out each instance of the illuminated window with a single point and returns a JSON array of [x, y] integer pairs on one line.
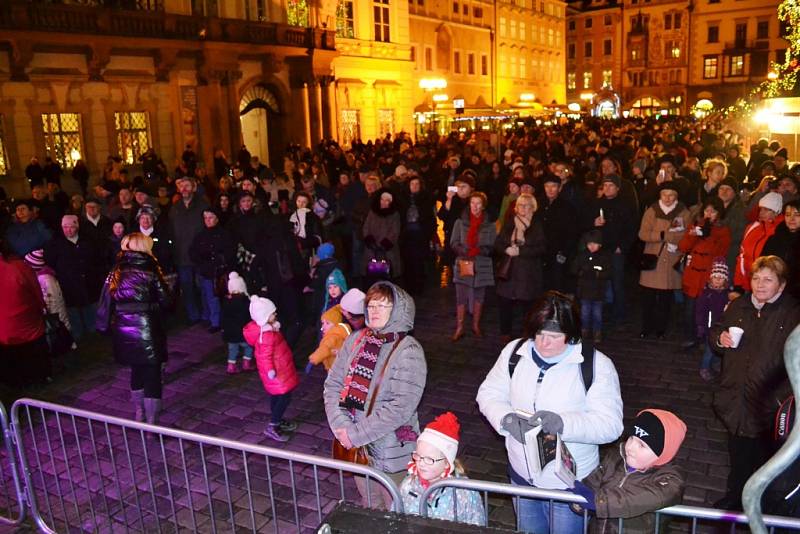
[[522, 70], [380, 13], [607, 78], [297, 12], [502, 26], [385, 122], [345, 26], [62, 137], [3, 155], [514, 71], [503, 65], [133, 134], [737, 66], [550, 35], [571, 80], [513, 29], [522, 30], [351, 129], [672, 50], [587, 80]]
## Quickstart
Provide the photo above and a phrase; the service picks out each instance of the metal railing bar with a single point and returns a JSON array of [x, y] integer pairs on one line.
[[294, 497], [53, 465], [99, 468], [150, 480], [169, 483], [83, 468], [208, 490], [116, 477], [133, 478], [227, 488], [8, 441], [69, 469], [271, 496], [188, 487], [316, 492], [250, 491]]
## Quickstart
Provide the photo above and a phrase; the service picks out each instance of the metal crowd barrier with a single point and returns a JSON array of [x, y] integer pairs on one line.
[[91, 472], [12, 501], [692, 518]]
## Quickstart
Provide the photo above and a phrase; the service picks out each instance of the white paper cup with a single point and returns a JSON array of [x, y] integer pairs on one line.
[[736, 335]]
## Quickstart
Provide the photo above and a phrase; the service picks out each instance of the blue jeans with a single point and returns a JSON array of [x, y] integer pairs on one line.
[[709, 357], [210, 300], [592, 314], [81, 320], [188, 290], [233, 351], [534, 516]]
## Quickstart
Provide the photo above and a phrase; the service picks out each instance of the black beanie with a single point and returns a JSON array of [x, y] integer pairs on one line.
[[649, 428]]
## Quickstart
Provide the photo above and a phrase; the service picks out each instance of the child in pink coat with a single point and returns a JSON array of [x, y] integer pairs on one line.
[[275, 364]]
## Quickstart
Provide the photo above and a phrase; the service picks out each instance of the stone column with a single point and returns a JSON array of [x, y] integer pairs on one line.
[[333, 127], [318, 110], [306, 115]]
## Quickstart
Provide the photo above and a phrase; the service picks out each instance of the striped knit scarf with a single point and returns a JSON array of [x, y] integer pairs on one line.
[[362, 369]]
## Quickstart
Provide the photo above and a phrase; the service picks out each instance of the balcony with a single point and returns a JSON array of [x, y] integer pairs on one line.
[[158, 25], [741, 46]]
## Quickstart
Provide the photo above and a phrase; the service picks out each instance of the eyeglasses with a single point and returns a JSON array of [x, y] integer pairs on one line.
[[426, 460], [376, 307]]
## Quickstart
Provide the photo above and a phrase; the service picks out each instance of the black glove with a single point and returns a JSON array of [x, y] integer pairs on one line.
[[386, 244], [369, 241], [551, 422], [516, 425], [706, 229]]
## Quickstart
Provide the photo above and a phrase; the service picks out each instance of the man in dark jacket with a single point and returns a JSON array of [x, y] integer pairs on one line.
[[213, 252], [617, 221], [560, 223], [78, 264], [186, 218]]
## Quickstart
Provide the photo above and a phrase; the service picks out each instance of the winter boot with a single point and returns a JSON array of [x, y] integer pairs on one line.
[[461, 313], [477, 311], [233, 368], [152, 407], [248, 365], [137, 399]]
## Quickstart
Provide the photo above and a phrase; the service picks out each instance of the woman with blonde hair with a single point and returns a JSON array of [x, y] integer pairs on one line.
[[134, 295]]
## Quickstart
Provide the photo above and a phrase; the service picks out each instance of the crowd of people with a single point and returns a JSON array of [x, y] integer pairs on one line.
[[556, 219]]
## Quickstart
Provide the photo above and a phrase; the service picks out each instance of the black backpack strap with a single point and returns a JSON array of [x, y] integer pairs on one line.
[[587, 366], [513, 360]]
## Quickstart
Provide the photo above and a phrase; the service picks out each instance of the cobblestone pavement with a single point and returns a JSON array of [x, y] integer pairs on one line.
[[199, 396]]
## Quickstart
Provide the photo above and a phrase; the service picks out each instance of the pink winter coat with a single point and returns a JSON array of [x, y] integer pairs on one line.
[[272, 352]]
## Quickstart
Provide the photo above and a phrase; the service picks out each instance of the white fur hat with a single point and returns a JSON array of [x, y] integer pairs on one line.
[[261, 309], [772, 201], [353, 302], [236, 284]]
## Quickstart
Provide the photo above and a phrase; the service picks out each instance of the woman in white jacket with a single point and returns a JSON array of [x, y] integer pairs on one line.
[[547, 380], [51, 289]]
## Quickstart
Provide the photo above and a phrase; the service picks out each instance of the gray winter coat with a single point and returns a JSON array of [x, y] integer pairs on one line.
[[186, 224], [484, 270], [398, 397]]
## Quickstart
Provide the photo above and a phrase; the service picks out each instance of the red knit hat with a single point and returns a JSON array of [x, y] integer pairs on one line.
[[443, 433]]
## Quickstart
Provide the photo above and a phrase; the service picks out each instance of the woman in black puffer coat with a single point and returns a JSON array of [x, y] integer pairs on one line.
[[138, 293]]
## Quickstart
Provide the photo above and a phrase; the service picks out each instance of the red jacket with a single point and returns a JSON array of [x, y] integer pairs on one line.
[[702, 250], [22, 311], [272, 353], [753, 241]]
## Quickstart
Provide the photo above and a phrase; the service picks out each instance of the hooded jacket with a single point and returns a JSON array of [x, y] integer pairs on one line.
[[590, 418], [272, 353], [398, 397], [753, 241], [702, 250], [330, 344], [382, 233], [631, 496], [656, 234]]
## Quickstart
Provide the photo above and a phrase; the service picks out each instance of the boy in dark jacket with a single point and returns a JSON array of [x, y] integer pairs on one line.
[[593, 268], [235, 315], [637, 479], [708, 310]]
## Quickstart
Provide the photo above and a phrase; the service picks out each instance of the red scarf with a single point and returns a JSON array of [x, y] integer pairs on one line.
[[472, 235]]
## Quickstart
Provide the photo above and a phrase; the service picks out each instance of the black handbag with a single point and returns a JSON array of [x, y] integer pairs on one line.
[[503, 269], [648, 262], [59, 340]]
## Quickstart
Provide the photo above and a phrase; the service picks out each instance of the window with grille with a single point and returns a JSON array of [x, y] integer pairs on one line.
[[297, 13], [133, 134], [385, 122], [607, 78], [571, 80], [3, 157], [345, 26], [62, 137], [587, 80], [737, 66], [351, 129], [380, 13]]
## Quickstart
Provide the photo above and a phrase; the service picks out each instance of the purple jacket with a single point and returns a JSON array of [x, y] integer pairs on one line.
[[710, 301]]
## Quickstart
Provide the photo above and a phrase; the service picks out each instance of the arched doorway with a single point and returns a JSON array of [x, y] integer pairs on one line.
[[260, 114]]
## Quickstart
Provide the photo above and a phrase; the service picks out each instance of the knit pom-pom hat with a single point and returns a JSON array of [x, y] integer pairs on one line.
[[443, 433]]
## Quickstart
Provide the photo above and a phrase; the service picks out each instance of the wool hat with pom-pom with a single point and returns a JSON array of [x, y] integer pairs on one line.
[[236, 284], [443, 433]]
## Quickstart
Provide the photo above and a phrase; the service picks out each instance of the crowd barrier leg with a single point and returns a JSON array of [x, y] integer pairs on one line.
[[12, 497]]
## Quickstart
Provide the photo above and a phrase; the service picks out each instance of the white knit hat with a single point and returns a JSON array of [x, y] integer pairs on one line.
[[443, 433], [236, 284], [261, 309], [772, 201], [353, 302]]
